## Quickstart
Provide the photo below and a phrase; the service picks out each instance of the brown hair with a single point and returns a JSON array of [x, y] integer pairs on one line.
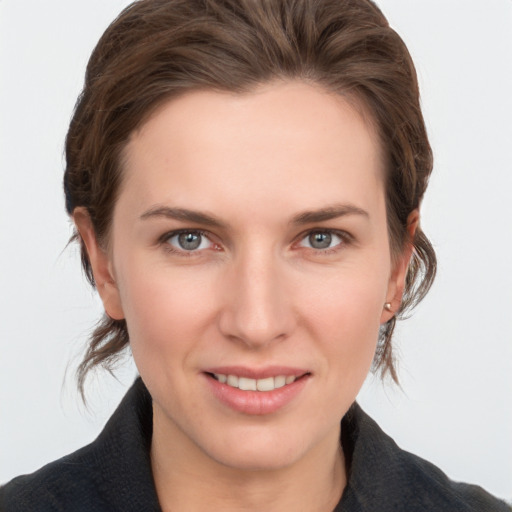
[[158, 49]]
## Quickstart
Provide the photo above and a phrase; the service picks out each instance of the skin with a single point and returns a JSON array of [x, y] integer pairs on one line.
[[256, 292]]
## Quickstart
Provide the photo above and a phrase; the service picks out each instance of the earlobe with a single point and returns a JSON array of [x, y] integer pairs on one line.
[[100, 263], [396, 284]]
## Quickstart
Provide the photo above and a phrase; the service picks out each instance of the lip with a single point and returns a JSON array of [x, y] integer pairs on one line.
[[256, 403]]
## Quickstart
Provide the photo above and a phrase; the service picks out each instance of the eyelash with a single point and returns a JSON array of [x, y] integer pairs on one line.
[[346, 239]]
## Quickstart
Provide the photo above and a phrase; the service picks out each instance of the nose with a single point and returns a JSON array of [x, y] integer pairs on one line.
[[257, 309]]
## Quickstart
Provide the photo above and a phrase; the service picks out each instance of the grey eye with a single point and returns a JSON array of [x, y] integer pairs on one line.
[[189, 241], [320, 240]]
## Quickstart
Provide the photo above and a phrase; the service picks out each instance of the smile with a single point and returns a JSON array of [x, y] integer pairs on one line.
[[247, 384]]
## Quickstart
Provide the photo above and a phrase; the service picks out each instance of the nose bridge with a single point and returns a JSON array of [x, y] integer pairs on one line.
[[257, 311]]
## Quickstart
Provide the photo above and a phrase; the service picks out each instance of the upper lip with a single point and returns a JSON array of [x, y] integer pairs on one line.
[[257, 373]]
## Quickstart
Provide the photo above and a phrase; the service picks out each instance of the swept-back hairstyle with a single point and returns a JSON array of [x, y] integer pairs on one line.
[[158, 49]]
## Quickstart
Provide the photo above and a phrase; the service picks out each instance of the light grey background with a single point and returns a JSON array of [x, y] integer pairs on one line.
[[456, 352]]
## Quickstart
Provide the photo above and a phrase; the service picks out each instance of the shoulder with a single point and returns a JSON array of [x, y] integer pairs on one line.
[[386, 478], [66, 484], [111, 474], [429, 488]]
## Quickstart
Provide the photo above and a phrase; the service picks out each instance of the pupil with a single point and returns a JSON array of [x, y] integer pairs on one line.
[[189, 241], [320, 240]]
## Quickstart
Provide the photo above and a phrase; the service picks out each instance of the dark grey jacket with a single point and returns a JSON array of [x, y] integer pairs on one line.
[[113, 474]]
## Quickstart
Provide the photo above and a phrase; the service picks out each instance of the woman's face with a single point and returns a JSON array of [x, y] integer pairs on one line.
[[249, 244]]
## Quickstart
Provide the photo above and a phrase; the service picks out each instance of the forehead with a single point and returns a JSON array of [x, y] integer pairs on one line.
[[291, 142]]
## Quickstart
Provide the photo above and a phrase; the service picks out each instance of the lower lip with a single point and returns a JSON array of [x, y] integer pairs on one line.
[[256, 402]]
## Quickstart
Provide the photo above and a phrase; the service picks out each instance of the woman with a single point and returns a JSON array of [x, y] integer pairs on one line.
[[245, 179]]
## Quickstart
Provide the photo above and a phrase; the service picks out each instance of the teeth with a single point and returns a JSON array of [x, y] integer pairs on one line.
[[246, 384], [265, 384], [280, 381], [232, 381]]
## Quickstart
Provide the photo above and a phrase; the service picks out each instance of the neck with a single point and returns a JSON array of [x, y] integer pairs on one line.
[[192, 481]]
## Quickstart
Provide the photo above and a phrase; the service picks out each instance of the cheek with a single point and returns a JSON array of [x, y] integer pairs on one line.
[[165, 311], [348, 298], [345, 318]]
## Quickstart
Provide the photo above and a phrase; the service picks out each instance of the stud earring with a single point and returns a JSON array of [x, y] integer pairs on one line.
[[387, 306]]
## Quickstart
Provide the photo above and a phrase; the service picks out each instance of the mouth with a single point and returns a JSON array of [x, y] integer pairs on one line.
[[263, 385], [257, 391]]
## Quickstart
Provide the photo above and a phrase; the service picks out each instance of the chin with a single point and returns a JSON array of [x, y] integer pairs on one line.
[[267, 447], [253, 456]]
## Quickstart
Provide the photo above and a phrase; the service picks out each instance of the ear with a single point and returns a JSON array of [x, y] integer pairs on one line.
[[100, 263], [396, 283]]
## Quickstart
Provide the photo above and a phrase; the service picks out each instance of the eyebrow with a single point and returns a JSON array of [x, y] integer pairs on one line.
[[183, 214], [307, 217], [328, 213]]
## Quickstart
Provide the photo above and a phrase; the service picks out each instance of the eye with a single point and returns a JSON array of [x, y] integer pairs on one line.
[[188, 241], [321, 240]]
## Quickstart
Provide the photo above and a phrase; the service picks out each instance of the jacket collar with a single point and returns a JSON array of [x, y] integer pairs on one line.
[[125, 480]]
